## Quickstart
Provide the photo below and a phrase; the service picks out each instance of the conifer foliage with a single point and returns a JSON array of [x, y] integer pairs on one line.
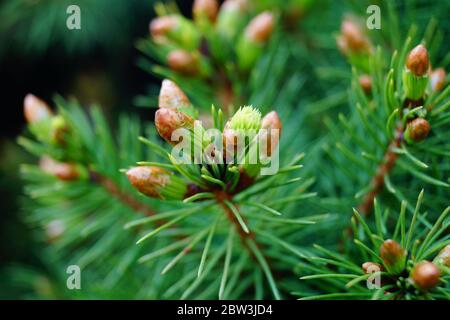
[[357, 208]]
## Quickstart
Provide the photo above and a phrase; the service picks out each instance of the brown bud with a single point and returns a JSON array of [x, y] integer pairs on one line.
[[183, 62], [171, 96], [270, 122], [417, 130], [61, 170], [168, 120], [425, 275], [149, 180], [261, 27], [437, 79], [443, 257], [352, 38], [369, 267], [417, 61], [206, 8], [393, 255], [35, 109], [159, 27], [365, 81]]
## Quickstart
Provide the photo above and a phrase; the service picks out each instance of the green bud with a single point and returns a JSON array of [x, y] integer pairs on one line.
[[246, 118]]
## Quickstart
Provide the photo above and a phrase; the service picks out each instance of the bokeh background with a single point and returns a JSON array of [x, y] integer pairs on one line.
[[39, 55]]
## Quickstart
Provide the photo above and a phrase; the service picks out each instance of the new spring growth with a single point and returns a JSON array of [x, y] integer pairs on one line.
[[169, 120], [61, 170], [354, 43], [45, 125], [171, 96], [157, 183], [205, 9], [184, 62], [415, 73], [175, 30], [425, 275], [417, 130], [252, 41], [35, 109], [393, 256], [437, 79]]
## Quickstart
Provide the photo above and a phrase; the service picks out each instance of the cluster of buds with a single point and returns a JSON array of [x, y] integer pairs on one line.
[[416, 73], [354, 43], [190, 46], [47, 126], [240, 133], [425, 275], [393, 256], [157, 183]]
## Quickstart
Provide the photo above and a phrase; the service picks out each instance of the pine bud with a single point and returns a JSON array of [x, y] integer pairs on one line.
[[365, 81], [171, 96], [61, 170], [157, 183], [270, 122], [260, 28], [437, 79], [443, 258], [393, 255], [352, 39], [417, 61], [425, 275], [35, 109], [183, 62], [161, 27], [176, 30], [417, 130], [168, 120], [246, 118], [369, 267], [250, 45], [205, 9]]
